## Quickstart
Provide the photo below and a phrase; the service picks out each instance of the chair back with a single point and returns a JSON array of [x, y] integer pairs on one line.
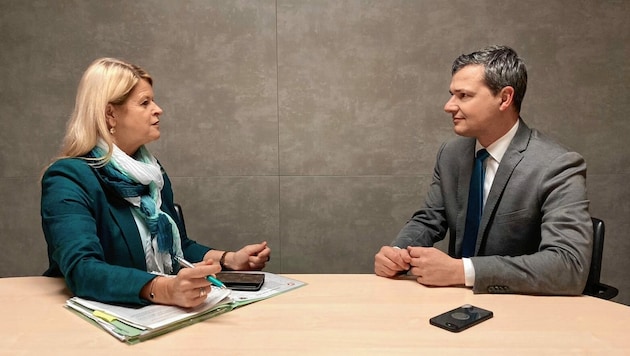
[[180, 216], [598, 252], [593, 285]]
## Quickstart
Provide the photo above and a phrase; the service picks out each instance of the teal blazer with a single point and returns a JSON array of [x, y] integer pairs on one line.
[[92, 237]]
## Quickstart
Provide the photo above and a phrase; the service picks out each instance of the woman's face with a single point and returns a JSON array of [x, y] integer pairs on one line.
[[137, 121]]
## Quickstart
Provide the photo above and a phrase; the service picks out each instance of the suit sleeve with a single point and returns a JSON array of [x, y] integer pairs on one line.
[[427, 225]]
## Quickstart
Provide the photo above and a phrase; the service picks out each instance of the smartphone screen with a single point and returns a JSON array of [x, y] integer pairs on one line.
[[461, 318]]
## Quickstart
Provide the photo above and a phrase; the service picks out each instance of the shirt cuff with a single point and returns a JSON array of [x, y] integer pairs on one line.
[[469, 272]]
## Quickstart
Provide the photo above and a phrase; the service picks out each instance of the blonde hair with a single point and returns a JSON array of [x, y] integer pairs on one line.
[[105, 81]]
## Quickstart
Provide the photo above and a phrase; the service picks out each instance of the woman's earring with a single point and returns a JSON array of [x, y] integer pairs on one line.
[[112, 130]]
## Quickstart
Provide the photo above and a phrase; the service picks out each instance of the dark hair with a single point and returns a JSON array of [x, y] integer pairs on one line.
[[503, 67]]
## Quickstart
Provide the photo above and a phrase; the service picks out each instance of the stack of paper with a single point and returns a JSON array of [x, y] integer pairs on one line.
[[135, 324]]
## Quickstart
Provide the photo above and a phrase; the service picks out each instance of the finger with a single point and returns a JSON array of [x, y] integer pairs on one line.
[[203, 292], [385, 266], [206, 266], [404, 255], [399, 259], [263, 255], [266, 253], [261, 258], [256, 266], [205, 270], [195, 278], [384, 271], [255, 249], [205, 262], [418, 251], [394, 255], [413, 251], [415, 271], [257, 262], [264, 248]]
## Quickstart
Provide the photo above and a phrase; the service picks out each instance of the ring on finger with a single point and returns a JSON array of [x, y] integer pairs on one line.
[[202, 292]]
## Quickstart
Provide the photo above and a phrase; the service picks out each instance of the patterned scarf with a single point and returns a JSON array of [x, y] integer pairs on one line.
[[139, 181]]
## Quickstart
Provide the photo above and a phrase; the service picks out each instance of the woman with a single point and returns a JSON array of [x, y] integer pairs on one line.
[[107, 204]]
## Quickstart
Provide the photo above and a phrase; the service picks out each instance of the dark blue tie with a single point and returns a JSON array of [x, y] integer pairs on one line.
[[475, 205]]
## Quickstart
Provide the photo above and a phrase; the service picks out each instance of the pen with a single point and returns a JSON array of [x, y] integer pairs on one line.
[[210, 279]]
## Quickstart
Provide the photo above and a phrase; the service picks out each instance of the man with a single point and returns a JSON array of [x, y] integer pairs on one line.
[[534, 232]]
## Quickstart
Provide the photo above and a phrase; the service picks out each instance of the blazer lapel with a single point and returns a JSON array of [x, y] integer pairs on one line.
[[123, 217], [510, 160]]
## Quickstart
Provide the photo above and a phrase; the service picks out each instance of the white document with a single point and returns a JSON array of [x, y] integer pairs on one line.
[[155, 315]]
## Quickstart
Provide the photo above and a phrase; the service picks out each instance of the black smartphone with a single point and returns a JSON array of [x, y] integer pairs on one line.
[[242, 281], [461, 318]]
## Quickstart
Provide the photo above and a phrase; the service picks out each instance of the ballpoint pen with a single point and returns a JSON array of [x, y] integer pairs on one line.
[[210, 279]]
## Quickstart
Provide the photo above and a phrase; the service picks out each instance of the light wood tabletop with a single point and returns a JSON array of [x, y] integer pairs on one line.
[[334, 314]]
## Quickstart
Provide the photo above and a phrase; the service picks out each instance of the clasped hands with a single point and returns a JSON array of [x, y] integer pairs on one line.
[[429, 265]]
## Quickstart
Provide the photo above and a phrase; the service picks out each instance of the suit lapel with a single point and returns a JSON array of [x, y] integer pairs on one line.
[[465, 163], [512, 157]]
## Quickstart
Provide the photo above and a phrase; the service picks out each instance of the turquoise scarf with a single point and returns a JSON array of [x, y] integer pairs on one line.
[[144, 198]]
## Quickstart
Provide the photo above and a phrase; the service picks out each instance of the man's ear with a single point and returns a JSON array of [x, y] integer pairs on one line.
[[507, 98]]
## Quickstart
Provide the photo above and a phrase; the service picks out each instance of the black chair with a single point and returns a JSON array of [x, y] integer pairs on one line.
[[180, 216], [593, 286]]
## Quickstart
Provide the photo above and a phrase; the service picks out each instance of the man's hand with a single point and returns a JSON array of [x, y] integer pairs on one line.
[[390, 261], [433, 267]]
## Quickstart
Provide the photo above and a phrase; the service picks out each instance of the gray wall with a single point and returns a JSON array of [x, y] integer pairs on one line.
[[310, 124]]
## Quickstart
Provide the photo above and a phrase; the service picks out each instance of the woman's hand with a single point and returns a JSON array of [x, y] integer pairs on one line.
[[189, 288], [250, 257]]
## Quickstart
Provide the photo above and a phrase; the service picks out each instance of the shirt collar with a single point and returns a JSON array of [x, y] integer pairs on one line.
[[497, 148]]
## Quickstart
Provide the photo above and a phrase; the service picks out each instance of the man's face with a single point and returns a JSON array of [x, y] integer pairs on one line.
[[475, 110]]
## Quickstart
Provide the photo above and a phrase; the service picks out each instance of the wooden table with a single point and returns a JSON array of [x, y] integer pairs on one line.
[[334, 315]]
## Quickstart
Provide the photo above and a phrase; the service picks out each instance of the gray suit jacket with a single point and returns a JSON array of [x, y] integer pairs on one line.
[[535, 235]]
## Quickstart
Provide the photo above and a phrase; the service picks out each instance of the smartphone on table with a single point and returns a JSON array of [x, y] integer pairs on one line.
[[242, 281], [461, 318]]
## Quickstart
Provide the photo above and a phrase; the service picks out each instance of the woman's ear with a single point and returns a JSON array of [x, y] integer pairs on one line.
[[507, 98], [110, 115]]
